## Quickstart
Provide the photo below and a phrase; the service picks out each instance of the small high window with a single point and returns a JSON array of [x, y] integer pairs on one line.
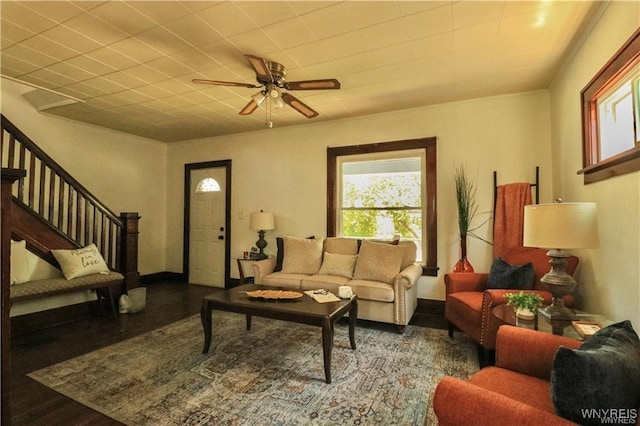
[[611, 116], [208, 185]]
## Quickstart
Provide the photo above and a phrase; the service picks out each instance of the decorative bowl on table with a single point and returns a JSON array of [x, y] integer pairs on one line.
[[274, 294]]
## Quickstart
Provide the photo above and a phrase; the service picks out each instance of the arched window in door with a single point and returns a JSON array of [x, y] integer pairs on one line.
[[208, 185]]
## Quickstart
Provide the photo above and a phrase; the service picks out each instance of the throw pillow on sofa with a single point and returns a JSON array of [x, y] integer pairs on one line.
[[516, 277], [280, 253], [341, 265], [302, 255], [378, 262], [600, 378], [80, 262], [19, 263]]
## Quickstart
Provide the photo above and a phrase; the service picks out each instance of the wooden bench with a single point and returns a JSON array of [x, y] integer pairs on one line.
[[54, 286]]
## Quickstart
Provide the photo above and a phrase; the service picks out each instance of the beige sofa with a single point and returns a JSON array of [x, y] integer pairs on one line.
[[382, 275]]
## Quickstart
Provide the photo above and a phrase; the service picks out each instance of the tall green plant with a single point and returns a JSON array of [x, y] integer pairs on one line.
[[465, 196]]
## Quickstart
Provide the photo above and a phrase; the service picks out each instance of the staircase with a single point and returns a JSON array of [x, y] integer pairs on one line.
[[51, 209]]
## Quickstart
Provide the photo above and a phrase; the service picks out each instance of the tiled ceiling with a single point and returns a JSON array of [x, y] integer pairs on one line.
[[131, 62]]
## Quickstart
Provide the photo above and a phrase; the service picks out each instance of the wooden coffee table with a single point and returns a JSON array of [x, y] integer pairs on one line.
[[304, 310]]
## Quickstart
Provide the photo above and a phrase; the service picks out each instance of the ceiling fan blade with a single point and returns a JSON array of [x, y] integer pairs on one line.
[[223, 83], [249, 108], [260, 67], [326, 84], [299, 106]]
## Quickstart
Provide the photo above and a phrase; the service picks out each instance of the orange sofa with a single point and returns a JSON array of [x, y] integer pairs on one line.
[[469, 303], [514, 392]]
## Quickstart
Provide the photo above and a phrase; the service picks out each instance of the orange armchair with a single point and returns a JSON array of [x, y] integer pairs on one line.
[[515, 391], [469, 303]]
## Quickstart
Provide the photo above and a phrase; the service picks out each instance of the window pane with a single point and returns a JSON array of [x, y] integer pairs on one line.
[[382, 198], [616, 120]]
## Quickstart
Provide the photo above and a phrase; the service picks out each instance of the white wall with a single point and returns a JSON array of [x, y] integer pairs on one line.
[[609, 277], [127, 173], [284, 169]]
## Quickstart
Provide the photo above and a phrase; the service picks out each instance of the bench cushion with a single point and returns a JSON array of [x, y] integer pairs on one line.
[[50, 286]]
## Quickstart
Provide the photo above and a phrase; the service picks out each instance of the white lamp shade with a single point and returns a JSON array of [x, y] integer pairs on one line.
[[561, 225], [261, 221]]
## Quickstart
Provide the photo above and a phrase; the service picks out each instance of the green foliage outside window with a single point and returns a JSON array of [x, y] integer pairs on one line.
[[376, 205]]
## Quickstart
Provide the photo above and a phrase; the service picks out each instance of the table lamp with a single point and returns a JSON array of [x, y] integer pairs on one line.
[[558, 226], [261, 221]]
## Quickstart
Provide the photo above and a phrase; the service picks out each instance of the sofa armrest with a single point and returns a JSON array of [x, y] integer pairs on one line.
[[528, 351], [409, 275], [262, 268], [457, 402], [456, 282]]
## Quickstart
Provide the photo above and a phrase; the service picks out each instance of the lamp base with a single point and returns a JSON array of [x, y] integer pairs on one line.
[[557, 311], [261, 244], [559, 284]]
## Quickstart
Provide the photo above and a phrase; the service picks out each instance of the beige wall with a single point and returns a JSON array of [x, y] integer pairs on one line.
[[126, 172], [284, 169], [609, 277]]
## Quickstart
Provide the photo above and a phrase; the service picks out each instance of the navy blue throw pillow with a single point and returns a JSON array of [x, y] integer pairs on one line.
[[600, 381], [512, 277]]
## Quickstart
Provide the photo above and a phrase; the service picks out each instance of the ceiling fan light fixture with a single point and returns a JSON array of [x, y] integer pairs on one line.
[[277, 102], [259, 98]]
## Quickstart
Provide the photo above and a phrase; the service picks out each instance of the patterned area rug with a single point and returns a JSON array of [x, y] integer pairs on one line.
[[271, 375]]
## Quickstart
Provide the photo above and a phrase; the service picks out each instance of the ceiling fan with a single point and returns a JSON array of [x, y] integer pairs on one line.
[[272, 78]]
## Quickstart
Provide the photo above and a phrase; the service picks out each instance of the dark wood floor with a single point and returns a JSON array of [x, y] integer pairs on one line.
[[167, 302]]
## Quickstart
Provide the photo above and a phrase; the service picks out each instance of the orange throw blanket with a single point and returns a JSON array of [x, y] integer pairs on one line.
[[509, 216]]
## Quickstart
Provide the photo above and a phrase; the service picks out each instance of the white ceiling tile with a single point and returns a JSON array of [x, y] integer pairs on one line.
[[289, 33], [329, 21], [265, 13], [162, 40], [358, 62], [68, 37], [303, 7], [255, 42], [136, 50], [53, 49], [411, 7], [15, 67], [343, 45], [30, 55], [91, 63], [392, 55], [160, 11], [122, 16], [365, 14], [310, 54], [14, 32], [193, 30], [470, 13], [95, 29], [71, 71], [476, 35], [20, 14], [385, 34], [428, 23], [431, 46], [227, 18]]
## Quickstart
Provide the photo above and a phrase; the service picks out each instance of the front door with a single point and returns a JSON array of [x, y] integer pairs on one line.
[[207, 233]]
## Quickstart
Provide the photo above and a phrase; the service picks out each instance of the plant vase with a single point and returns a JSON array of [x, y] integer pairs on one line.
[[463, 264]]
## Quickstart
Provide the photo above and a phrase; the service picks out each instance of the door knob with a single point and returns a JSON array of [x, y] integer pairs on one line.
[[221, 237]]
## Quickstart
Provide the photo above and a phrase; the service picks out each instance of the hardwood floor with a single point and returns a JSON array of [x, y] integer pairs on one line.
[[167, 302]]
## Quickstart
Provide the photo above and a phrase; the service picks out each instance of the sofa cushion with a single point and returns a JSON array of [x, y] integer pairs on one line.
[[378, 262], [529, 390], [302, 255], [80, 262], [467, 304], [506, 276], [280, 279], [341, 265], [601, 375], [341, 245], [372, 290], [326, 282]]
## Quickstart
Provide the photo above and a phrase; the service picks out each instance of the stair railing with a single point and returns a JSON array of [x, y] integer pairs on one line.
[[56, 197]]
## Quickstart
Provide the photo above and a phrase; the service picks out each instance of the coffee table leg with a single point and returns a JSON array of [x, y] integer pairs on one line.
[[205, 317], [248, 322], [327, 346], [353, 314]]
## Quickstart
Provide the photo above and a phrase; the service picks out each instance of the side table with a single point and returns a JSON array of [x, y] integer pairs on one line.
[[239, 260], [505, 314]]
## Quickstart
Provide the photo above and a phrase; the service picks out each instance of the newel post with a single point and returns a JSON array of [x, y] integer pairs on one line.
[[129, 249], [9, 176]]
